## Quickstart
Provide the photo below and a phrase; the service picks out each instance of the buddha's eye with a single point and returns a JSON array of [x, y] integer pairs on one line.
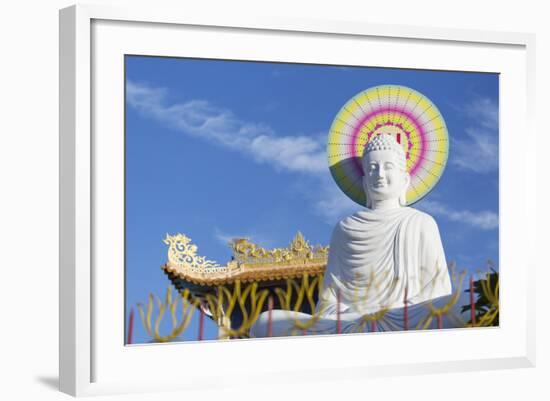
[[389, 166]]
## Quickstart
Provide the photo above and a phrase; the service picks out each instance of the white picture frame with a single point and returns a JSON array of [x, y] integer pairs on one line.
[[92, 39]]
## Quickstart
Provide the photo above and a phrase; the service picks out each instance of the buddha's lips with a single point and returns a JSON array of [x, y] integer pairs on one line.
[[394, 110]]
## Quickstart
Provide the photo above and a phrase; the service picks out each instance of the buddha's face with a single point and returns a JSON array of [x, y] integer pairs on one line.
[[384, 176]]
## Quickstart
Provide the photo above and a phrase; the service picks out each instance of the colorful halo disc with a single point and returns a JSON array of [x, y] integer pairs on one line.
[[403, 112]]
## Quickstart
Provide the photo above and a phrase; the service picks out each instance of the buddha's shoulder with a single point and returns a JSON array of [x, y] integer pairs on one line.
[[422, 219], [419, 215], [411, 215]]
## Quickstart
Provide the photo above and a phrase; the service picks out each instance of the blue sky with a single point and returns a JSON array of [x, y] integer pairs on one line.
[[220, 149]]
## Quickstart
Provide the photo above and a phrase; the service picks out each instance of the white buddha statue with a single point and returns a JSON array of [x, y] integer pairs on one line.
[[379, 258]]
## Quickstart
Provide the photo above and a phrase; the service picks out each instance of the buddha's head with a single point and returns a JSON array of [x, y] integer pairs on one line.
[[385, 166]]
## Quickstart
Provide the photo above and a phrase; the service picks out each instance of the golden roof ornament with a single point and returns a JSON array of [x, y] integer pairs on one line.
[[182, 253], [251, 262], [299, 251]]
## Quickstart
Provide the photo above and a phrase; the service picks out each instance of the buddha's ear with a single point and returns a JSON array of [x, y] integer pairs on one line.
[[403, 196], [364, 183], [407, 180]]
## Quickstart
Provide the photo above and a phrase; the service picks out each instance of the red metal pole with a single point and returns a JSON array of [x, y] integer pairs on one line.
[[130, 327], [472, 302], [439, 321], [338, 322], [406, 311], [373, 326], [201, 324], [269, 317]]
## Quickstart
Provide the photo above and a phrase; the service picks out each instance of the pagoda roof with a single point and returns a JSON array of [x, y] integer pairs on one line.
[[249, 263]]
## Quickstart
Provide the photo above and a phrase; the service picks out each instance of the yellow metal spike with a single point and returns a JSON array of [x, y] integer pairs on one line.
[[150, 309], [173, 310], [144, 319], [158, 320]]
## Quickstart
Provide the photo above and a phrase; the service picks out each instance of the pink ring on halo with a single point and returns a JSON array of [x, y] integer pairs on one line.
[[374, 113]]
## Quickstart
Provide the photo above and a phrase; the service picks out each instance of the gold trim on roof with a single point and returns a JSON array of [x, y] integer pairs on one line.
[[250, 261], [182, 253], [299, 249]]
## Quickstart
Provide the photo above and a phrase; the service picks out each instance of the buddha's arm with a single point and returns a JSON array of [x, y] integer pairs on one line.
[[434, 275], [327, 303]]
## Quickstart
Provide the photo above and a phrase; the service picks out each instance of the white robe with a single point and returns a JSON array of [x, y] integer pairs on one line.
[[377, 259]]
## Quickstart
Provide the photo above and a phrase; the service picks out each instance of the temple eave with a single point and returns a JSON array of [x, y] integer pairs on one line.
[[246, 273]]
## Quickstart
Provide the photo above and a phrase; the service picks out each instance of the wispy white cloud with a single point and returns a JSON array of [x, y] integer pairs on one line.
[[483, 110], [331, 203], [226, 238], [200, 118], [478, 152], [485, 220]]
